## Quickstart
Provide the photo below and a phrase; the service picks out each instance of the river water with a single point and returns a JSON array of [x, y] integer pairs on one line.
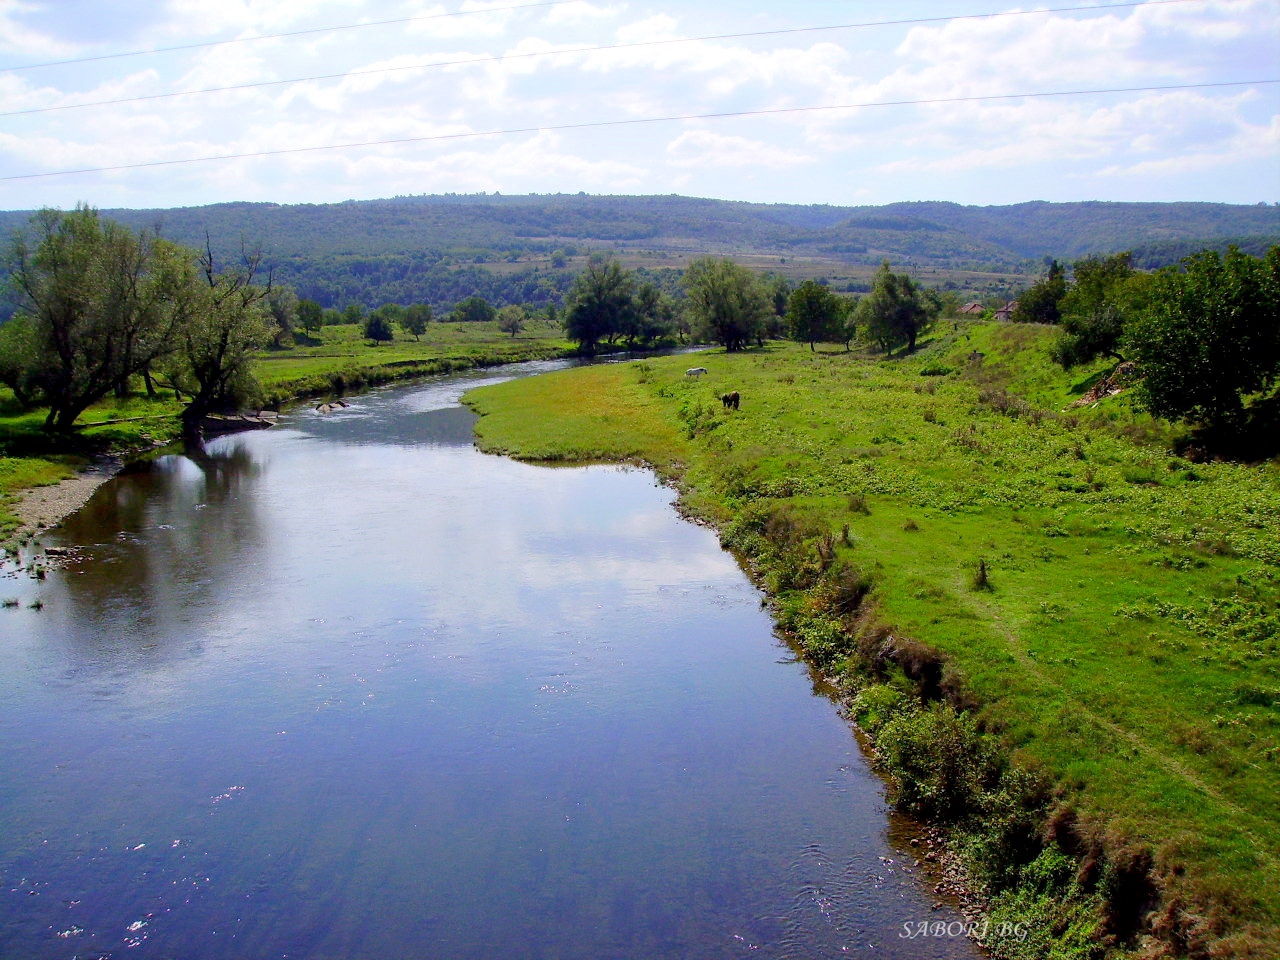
[[348, 688]]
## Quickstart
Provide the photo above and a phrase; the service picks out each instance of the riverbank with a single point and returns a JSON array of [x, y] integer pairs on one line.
[[1062, 637], [44, 478], [38, 508]]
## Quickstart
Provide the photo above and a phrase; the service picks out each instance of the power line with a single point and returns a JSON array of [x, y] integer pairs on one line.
[[636, 122], [281, 36], [580, 50]]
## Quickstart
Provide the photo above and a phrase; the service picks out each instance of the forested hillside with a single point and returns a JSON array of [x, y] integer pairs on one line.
[[438, 249]]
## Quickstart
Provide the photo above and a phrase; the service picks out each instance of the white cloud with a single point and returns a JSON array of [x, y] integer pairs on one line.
[[549, 79], [702, 148], [579, 13], [17, 38]]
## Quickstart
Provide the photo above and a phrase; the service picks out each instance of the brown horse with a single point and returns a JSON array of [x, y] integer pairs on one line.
[[730, 400]]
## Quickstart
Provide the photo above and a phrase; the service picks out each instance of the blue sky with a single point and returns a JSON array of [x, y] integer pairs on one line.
[[996, 146]]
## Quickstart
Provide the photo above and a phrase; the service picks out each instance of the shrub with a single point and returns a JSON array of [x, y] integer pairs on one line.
[[824, 641], [938, 761], [858, 504], [876, 704], [982, 577], [842, 590]]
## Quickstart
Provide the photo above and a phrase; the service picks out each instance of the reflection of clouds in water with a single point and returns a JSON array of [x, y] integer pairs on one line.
[[482, 543]]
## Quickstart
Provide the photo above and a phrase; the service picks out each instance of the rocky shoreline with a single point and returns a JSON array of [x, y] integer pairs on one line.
[[40, 508]]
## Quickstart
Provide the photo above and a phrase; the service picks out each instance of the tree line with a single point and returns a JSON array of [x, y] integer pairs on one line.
[[1203, 336], [99, 305], [720, 301]]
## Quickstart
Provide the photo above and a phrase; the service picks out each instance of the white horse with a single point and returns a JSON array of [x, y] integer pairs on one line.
[[695, 372]]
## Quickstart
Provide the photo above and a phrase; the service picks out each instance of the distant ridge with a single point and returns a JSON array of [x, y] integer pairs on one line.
[[375, 251], [936, 233]]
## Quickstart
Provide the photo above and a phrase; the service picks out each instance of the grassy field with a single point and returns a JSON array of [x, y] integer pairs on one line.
[[340, 359], [1109, 610]]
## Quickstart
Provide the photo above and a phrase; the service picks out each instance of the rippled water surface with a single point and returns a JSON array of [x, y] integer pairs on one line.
[[349, 689]]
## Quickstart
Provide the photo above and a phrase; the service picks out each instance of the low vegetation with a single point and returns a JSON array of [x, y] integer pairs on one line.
[[1062, 635]]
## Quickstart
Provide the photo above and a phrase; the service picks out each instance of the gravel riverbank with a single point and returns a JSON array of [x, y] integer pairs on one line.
[[40, 508]]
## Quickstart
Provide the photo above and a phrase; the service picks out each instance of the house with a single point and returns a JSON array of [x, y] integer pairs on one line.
[[972, 308], [1006, 312]]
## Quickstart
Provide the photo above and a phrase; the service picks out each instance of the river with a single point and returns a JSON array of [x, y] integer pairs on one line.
[[348, 688]]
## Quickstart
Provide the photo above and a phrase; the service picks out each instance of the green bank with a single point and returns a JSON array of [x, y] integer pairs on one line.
[[1062, 636]]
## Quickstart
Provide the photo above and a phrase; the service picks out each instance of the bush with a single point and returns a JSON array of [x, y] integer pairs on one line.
[[938, 761], [875, 705], [842, 589]]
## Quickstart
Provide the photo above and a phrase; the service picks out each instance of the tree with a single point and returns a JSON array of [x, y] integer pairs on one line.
[[727, 302], [896, 311], [310, 316], [415, 319], [600, 304], [282, 304], [377, 327], [815, 313], [1040, 304], [655, 314], [228, 322], [19, 358], [1104, 293], [97, 305], [511, 319], [1210, 337], [780, 291], [1085, 337], [353, 313], [473, 309]]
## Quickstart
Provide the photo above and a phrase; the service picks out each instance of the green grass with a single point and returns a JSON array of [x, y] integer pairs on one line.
[[339, 359], [1127, 643], [22, 473], [29, 457]]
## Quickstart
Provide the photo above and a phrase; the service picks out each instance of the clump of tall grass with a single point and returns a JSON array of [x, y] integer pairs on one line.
[[857, 503], [982, 576]]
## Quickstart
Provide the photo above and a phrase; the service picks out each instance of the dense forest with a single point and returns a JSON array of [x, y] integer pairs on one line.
[[527, 249]]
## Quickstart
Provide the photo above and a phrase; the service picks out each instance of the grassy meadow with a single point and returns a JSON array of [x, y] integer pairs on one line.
[[1110, 612], [339, 358]]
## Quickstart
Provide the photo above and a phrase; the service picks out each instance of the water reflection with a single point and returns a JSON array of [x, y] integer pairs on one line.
[[152, 549]]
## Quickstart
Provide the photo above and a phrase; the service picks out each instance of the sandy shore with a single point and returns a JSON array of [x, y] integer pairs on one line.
[[43, 507]]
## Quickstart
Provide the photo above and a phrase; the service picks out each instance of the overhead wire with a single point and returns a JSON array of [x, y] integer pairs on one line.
[[934, 101], [601, 48], [283, 36]]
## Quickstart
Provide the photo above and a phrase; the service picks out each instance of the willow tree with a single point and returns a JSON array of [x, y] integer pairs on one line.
[[727, 302], [600, 304], [97, 305], [228, 322]]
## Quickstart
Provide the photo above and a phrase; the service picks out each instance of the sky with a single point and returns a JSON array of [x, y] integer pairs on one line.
[[841, 102]]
